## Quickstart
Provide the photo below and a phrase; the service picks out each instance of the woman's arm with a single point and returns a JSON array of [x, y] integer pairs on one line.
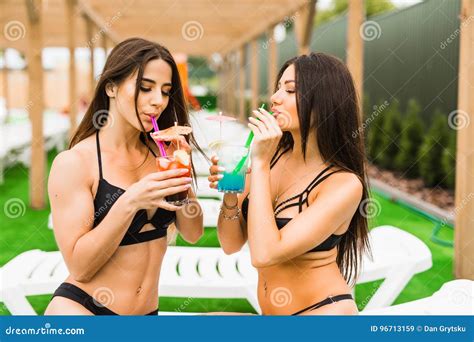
[[189, 220], [337, 201], [85, 250], [232, 234]]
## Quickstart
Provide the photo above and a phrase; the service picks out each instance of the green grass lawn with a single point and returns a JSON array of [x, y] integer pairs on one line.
[[30, 231]]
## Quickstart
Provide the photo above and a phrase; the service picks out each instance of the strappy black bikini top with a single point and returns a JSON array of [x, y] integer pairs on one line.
[[302, 198], [107, 194]]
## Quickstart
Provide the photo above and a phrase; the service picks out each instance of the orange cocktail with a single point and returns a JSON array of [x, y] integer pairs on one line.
[[179, 160]]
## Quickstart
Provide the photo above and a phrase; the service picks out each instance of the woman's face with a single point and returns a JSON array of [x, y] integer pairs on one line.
[[153, 96], [284, 101]]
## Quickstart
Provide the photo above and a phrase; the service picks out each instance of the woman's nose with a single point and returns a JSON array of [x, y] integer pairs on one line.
[[157, 100], [275, 98]]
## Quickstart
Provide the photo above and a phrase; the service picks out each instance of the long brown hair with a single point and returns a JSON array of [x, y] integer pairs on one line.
[[126, 58], [327, 103]]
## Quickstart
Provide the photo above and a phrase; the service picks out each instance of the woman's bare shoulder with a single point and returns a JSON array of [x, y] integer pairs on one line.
[[75, 164]]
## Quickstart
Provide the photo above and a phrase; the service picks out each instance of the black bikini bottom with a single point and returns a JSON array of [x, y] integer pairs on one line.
[[329, 300], [78, 295]]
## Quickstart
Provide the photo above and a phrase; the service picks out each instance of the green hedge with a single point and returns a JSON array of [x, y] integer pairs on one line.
[[403, 142]]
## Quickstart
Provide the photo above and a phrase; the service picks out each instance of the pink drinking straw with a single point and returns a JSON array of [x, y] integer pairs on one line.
[[159, 143]]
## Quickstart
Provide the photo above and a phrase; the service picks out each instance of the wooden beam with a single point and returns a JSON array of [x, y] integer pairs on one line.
[[304, 26], [355, 47], [258, 28], [254, 74], [242, 75], [99, 22], [36, 104], [71, 33], [90, 43], [220, 91], [464, 194], [104, 45], [272, 62], [232, 80], [33, 10]]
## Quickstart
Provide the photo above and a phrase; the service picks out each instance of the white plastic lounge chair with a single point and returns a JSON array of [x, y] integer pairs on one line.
[[398, 256], [207, 272], [455, 297]]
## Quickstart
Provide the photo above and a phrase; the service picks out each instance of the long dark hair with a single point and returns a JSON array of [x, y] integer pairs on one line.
[[130, 56], [327, 103]]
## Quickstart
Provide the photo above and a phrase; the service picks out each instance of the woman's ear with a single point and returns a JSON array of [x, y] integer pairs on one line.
[[111, 89]]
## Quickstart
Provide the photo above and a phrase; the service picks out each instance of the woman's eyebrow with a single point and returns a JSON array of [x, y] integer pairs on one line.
[[148, 80], [151, 81]]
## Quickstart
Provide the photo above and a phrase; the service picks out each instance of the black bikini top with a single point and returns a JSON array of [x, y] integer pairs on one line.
[[107, 194], [302, 198]]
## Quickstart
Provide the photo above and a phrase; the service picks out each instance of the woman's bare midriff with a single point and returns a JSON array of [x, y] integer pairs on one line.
[[128, 283], [291, 286]]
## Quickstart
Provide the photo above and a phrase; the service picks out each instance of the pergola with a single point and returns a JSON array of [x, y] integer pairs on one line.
[[205, 27]]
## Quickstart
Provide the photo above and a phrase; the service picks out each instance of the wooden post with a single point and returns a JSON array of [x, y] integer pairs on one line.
[[254, 74], [464, 194], [355, 47], [272, 62], [104, 44], [242, 75], [36, 104], [71, 35], [220, 91], [231, 84], [304, 26], [90, 43], [5, 84]]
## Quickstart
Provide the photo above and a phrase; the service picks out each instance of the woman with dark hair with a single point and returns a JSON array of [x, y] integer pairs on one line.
[[299, 211], [107, 197]]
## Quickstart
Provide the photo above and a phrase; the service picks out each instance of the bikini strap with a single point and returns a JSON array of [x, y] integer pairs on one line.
[[313, 183], [99, 158], [143, 140], [273, 162], [312, 186]]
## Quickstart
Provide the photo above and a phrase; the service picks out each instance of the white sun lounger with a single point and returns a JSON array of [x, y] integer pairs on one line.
[[455, 297], [208, 272]]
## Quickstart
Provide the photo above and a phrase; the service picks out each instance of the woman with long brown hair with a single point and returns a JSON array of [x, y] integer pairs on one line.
[[107, 197], [299, 210]]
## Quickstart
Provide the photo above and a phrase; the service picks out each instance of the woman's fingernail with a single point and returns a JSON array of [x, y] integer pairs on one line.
[[183, 171], [188, 179], [221, 168], [220, 176]]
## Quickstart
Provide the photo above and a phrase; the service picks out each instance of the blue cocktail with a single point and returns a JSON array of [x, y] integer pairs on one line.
[[229, 158]]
